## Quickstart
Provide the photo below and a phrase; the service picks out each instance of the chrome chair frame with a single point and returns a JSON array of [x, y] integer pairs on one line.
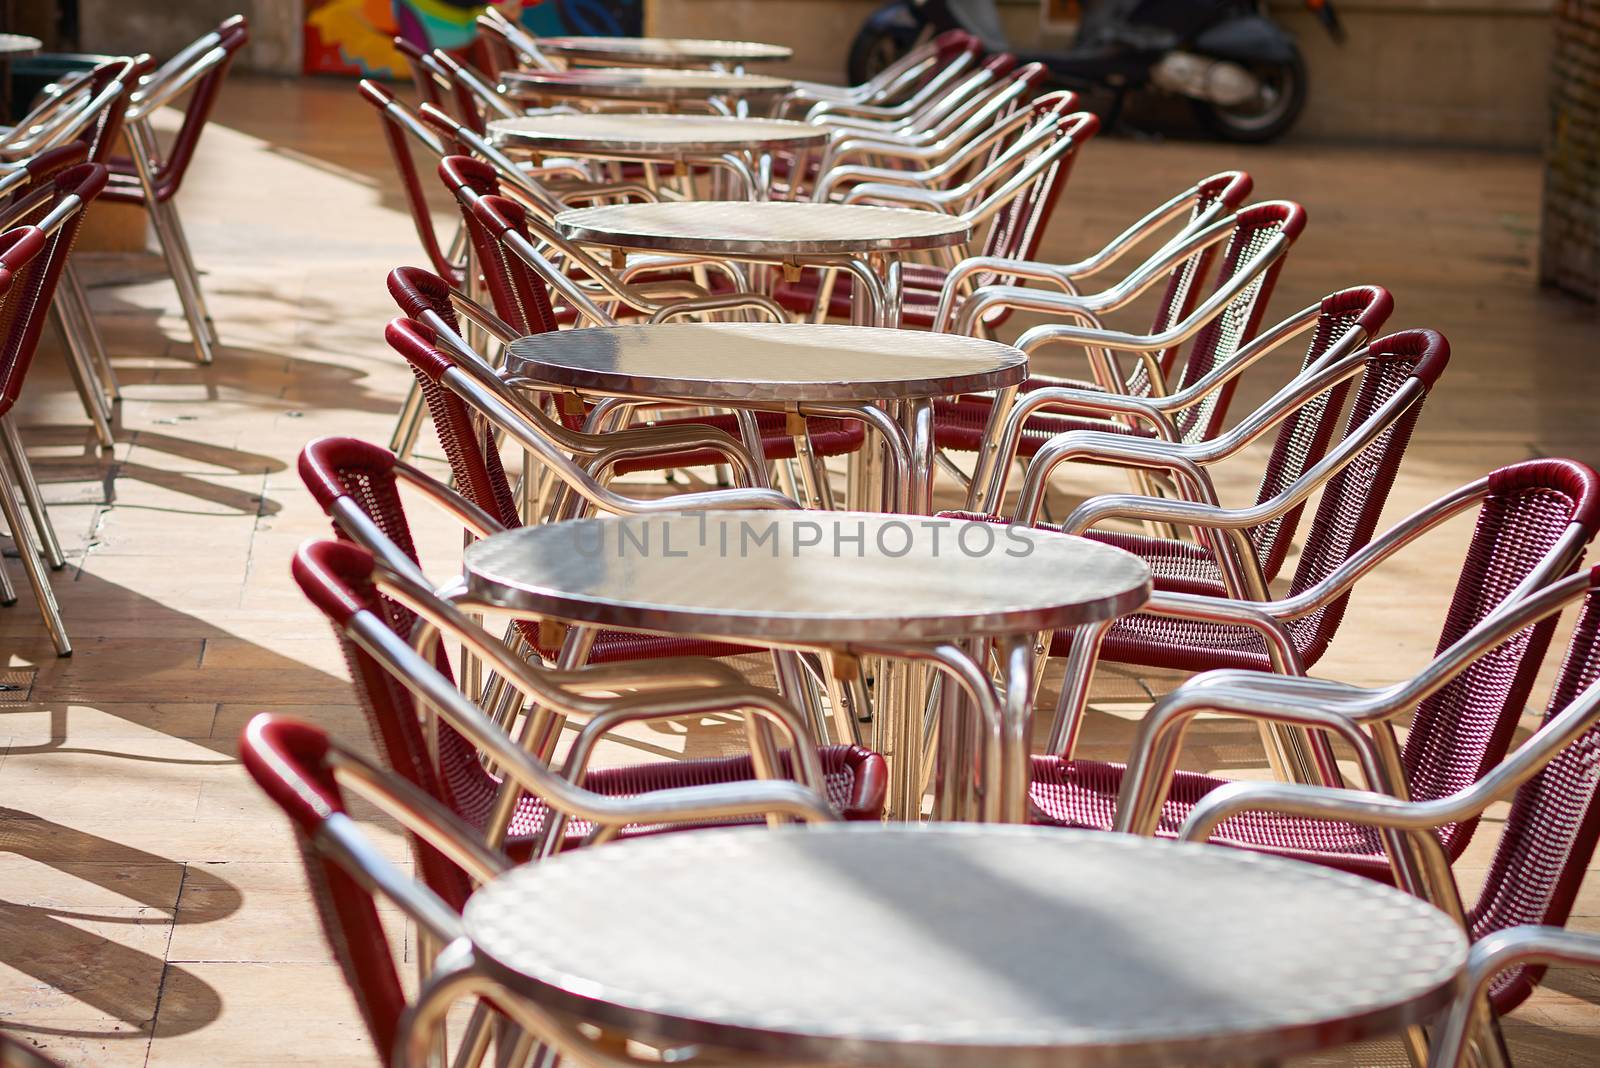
[[1267, 617], [16, 473], [893, 84], [1067, 276], [879, 152], [162, 88], [1168, 451], [1469, 1019], [538, 435]]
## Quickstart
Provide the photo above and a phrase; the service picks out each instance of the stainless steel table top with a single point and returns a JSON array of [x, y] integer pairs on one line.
[[664, 51], [962, 945], [18, 44], [763, 230], [640, 83], [653, 134], [813, 579], [763, 363]]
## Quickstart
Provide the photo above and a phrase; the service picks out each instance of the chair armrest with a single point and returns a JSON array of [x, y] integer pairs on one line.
[[906, 196], [1032, 270], [1491, 955]]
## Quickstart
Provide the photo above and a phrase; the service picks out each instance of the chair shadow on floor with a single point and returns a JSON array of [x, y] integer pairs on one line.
[[58, 946]]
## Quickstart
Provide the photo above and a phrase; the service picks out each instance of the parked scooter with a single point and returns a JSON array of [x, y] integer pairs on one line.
[[1240, 71]]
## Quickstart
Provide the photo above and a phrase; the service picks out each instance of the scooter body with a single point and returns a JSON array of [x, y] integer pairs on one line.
[[1242, 71]]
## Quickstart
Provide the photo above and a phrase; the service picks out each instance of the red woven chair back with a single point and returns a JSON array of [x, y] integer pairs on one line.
[[230, 36], [466, 439], [1459, 733], [1550, 833], [33, 286], [337, 578], [1352, 500], [1220, 340], [292, 762], [520, 296], [402, 129], [1224, 191], [337, 468], [1303, 438]]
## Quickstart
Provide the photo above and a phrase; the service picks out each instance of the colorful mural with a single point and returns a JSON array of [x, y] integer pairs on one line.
[[357, 36]]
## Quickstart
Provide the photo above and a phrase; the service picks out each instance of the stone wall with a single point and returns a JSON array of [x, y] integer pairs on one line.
[[1569, 255]]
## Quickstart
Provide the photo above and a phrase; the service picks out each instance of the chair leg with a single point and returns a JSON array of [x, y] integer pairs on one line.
[[8, 594], [193, 272], [187, 285], [83, 377], [404, 439], [11, 509], [91, 334], [11, 441]]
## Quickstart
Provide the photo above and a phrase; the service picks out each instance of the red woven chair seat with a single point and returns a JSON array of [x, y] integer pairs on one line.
[[1083, 794], [855, 780], [829, 437]]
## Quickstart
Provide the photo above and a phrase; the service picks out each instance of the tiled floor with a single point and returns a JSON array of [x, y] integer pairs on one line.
[[151, 905]]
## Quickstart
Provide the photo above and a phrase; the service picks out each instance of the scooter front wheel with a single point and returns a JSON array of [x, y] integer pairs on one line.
[[1284, 88]]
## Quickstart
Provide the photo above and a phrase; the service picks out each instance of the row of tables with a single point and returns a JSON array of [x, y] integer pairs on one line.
[[942, 944]]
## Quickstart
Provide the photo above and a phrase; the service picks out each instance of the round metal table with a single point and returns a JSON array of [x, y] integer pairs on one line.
[[864, 240], [663, 51], [951, 946], [921, 591], [741, 145], [643, 85], [861, 373]]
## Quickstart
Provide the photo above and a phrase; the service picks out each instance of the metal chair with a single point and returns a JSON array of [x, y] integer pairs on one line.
[[1549, 780], [1247, 629], [397, 664], [34, 284], [1197, 207], [345, 474], [27, 195], [928, 115], [852, 152], [1014, 180], [91, 108], [1534, 520], [152, 178], [1220, 328], [1524, 947], [509, 46], [308, 776], [1305, 413], [934, 58]]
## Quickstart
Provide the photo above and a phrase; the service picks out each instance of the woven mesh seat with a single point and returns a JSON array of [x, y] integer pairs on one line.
[[1346, 517], [1456, 735]]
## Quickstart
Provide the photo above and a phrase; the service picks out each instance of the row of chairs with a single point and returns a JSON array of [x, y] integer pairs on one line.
[[1339, 427], [55, 162]]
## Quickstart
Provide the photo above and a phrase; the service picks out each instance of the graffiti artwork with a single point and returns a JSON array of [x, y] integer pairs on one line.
[[357, 36]]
